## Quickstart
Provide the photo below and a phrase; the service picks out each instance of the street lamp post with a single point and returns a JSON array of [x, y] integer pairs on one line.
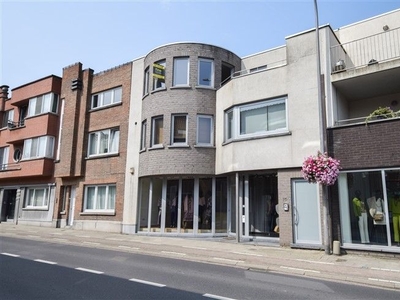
[[321, 111]]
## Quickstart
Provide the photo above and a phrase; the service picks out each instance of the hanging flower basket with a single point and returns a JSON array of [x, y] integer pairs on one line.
[[320, 169]]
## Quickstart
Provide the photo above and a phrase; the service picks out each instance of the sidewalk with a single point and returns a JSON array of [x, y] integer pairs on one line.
[[365, 269]]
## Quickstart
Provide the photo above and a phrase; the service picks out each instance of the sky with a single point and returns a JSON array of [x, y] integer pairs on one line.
[[40, 38]]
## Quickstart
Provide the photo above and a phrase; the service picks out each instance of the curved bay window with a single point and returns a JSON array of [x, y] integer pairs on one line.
[[370, 208]]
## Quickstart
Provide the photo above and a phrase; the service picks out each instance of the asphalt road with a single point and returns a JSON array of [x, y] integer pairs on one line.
[[45, 270]]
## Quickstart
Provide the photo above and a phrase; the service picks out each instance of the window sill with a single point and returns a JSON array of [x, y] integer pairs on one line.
[[106, 155], [142, 150], [35, 208], [97, 213], [180, 87], [204, 146], [156, 147], [145, 95], [158, 90], [179, 146], [105, 107], [272, 135], [204, 87]]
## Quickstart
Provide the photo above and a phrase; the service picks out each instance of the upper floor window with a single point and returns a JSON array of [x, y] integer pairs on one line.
[[103, 142], [4, 157], [206, 72], [108, 97], [8, 117], [205, 130], [37, 197], [157, 124], [146, 81], [143, 135], [99, 198], [179, 130], [256, 119], [181, 71], [43, 104], [38, 147], [159, 75]]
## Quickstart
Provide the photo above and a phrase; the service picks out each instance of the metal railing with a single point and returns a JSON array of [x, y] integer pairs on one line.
[[12, 125], [10, 167], [366, 51], [364, 120]]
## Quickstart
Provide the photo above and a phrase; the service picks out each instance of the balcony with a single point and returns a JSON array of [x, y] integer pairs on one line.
[[361, 145], [372, 50], [42, 167]]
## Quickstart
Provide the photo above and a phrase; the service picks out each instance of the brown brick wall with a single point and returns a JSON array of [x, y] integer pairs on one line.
[[375, 145]]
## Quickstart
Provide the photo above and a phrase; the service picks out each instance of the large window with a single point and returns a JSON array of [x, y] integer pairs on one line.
[[370, 207], [43, 104], [159, 75], [4, 157], [206, 72], [157, 124], [37, 197], [205, 130], [106, 98], [181, 71], [99, 198], [143, 135], [256, 119], [104, 142], [178, 130], [38, 147], [8, 117]]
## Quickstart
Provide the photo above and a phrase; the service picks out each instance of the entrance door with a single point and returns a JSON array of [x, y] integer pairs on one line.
[[8, 205], [71, 206], [306, 213]]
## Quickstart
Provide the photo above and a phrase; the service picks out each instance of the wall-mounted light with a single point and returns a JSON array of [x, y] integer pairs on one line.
[[385, 28]]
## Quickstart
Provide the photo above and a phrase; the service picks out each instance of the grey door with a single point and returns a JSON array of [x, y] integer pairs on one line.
[[305, 213]]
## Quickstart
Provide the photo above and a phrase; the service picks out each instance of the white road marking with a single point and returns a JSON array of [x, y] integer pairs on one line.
[[114, 239], [244, 253], [298, 269], [45, 261], [127, 247], [147, 282], [34, 236], [173, 253], [61, 240], [388, 270], [316, 262], [384, 280], [89, 270], [217, 297], [10, 254], [150, 243], [229, 260], [83, 236], [199, 248]]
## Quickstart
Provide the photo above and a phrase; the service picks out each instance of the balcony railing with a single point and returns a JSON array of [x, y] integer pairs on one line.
[[374, 49], [364, 120], [13, 125], [10, 167]]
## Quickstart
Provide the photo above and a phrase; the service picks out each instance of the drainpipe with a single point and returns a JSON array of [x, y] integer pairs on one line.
[[323, 147]]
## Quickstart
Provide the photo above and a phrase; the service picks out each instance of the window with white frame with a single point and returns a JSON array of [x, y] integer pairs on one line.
[[179, 130], [99, 198], [256, 119], [146, 81], [8, 116], [159, 75], [206, 72], [37, 197], [106, 98], [103, 142], [38, 147], [157, 127], [143, 135], [4, 157], [43, 104], [181, 71], [205, 130]]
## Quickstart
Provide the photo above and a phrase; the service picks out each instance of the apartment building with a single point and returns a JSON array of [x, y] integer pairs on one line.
[[28, 145], [192, 140]]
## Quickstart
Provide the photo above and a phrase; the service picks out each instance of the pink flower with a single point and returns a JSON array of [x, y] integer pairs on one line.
[[321, 169]]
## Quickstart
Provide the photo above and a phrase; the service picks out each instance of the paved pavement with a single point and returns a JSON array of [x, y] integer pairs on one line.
[[366, 269]]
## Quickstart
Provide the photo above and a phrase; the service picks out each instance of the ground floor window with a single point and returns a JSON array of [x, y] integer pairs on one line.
[[183, 205], [99, 198], [370, 207], [37, 197]]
